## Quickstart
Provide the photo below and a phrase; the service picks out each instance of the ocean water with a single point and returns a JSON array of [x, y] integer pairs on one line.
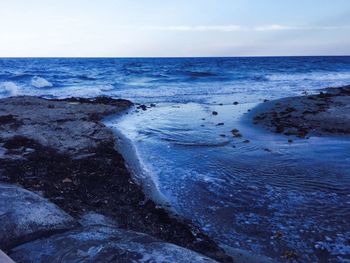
[[267, 196]]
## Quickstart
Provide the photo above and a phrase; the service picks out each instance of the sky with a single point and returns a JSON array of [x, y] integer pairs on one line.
[[173, 28]]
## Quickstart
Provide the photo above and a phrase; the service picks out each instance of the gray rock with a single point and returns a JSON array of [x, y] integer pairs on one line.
[[327, 113], [4, 258], [25, 216], [69, 127], [103, 244], [93, 219]]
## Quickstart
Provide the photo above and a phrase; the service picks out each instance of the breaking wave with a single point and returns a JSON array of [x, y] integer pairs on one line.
[[8, 89], [39, 82]]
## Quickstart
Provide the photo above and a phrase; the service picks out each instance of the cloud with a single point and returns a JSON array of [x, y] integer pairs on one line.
[[224, 28], [240, 28], [273, 28]]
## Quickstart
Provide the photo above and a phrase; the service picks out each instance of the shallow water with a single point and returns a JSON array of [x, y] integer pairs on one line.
[[268, 195]]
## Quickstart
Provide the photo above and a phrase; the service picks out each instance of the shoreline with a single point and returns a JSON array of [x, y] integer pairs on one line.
[[61, 149], [134, 165]]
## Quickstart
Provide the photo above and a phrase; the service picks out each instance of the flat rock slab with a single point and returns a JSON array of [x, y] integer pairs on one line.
[[327, 113], [25, 216], [103, 244], [70, 126]]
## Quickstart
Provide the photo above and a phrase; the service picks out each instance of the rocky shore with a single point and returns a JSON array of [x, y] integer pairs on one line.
[[327, 113], [66, 194]]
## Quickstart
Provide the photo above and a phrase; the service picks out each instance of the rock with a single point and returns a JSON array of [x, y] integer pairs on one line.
[[93, 219], [215, 113], [324, 114], [235, 103], [244, 256], [4, 258], [25, 216], [70, 128], [220, 124], [67, 153], [103, 244], [142, 107], [236, 133], [5, 119]]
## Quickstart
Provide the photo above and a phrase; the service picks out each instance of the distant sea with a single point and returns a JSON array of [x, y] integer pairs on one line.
[[266, 196]]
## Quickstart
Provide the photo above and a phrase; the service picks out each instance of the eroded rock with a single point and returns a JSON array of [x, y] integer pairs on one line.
[[25, 216], [323, 114], [103, 244]]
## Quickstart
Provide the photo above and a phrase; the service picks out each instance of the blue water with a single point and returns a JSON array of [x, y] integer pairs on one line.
[[267, 196]]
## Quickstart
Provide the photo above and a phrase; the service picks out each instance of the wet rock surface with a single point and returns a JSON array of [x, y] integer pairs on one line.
[[324, 114], [103, 244], [25, 216], [60, 149]]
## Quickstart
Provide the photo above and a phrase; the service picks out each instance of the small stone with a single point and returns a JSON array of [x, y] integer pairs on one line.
[[235, 103], [67, 181], [236, 133], [215, 113], [142, 107]]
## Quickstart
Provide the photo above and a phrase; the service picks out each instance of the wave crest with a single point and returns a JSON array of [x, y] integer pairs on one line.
[[8, 88], [39, 82]]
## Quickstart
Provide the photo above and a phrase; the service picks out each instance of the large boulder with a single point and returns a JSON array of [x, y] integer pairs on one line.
[[100, 243], [25, 216]]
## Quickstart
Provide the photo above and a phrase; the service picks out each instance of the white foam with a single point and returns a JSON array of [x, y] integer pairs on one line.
[[8, 88], [317, 76], [39, 82]]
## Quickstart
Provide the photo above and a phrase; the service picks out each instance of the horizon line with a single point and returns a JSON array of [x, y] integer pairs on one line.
[[165, 57]]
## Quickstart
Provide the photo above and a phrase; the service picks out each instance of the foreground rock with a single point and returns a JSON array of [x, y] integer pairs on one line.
[[4, 258], [25, 216], [323, 114], [103, 244], [62, 150]]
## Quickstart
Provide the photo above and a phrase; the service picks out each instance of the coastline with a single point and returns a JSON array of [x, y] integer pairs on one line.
[[134, 165], [60, 147], [320, 109]]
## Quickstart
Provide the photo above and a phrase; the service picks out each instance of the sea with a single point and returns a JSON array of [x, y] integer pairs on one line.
[[259, 193]]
